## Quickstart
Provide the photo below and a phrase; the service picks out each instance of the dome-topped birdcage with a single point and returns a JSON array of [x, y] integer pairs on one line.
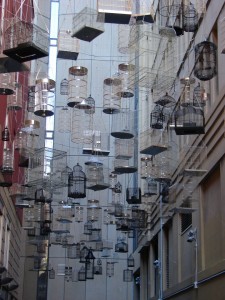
[[64, 87], [90, 102], [111, 95], [44, 97], [123, 124], [77, 85], [205, 60], [171, 15], [126, 75], [77, 183], [200, 96], [189, 120], [157, 118], [190, 18]]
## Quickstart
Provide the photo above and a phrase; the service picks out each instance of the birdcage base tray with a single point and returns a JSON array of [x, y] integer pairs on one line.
[[67, 55], [125, 169], [96, 152], [110, 111], [5, 91], [189, 129], [25, 52], [126, 94], [76, 195], [87, 33], [44, 113], [153, 150], [99, 187], [133, 201], [122, 134], [22, 205]]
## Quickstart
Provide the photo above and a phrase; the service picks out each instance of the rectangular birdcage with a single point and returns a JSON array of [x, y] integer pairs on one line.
[[118, 11], [25, 41], [193, 161], [87, 25], [68, 47], [153, 142], [133, 195], [143, 12], [45, 168], [99, 143]]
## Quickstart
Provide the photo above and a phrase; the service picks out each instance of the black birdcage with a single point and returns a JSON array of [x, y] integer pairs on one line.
[[139, 218], [190, 18], [77, 183], [121, 247], [157, 117], [205, 60], [130, 261], [89, 265], [189, 120], [133, 195]]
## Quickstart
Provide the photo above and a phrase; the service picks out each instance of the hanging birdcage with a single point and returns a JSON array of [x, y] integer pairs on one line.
[[150, 187], [153, 142], [68, 47], [79, 213], [139, 218], [98, 267], [77, 183], [5, 134], [64, 87], [190, 18], [97, 175], [81, 274], [108, 216], [83, 254], [124, 223], [93, 210], [166, 101], [123, 124], [157, 117], [143, 13], [99, 145], [121, 246], [117, 12], [64, 120], [126, 75], [145, 166], [15, 100], [87, 24], [7, 168], [25, 41], [31, 99], [111, 95], [77, 85], [25, 158], [6, 86], [171, 15], [124, 166], [130, 261], [163, 166], [88, 228], [187, 92], [20, 140], [127, 275], [73, 251], [205, 60], [200, 96], [110, 269], [118, 209], [124, 148], [133, 195], [125, 44], [51, 274], [189, 120], [91, 103], [82, 127], [44, 97]]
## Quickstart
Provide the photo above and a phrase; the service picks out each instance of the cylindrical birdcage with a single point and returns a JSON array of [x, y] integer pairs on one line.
[[20, 140], [112, 180], [124, 166], [110, 269], [111, 95], [73, 251], [124, 148], [15, 101], [189, 120], [127, 275], [97, 176], [77, 183], [65, 175], [44, 97], [64, 87], [6, 86], [82, 127], [157, 118], [205, 60], [190, 18], [79, 213], [162, 167], [31, 99], [123, 124], [200, 96], [93, 210], [8, 160], [77, 85], [64, 120], [126, 75], [150, 187], [145, 166]]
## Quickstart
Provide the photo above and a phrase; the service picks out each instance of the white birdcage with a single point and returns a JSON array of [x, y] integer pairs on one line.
[[97, 175], [100, 144], [93, 210], [124, 166], [25, 41], [124, 148], [125, 38], [44, 97], [123, 124], [153, 142], [15, 100], [118, 11], [111, 95], [126, 74], [64, 120], [68, 47], [82, 127], [77, 85], [6, 86], [79, 213], [87, 24], [144, 12]]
